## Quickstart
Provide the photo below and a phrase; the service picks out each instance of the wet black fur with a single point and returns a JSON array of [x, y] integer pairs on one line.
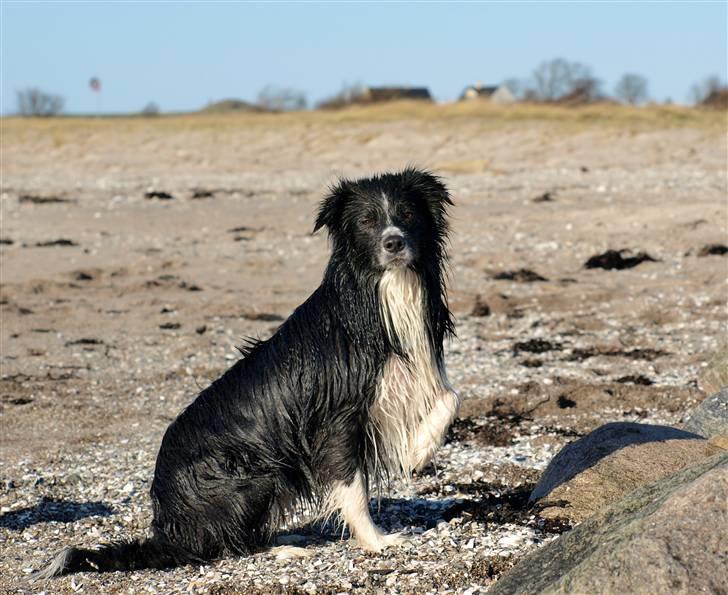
[[291, 416]]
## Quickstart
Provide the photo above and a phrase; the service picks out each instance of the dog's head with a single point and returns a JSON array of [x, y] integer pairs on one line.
[[388, 221]]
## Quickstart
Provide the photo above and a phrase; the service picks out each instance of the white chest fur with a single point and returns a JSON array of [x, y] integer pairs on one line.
[[412, 390]]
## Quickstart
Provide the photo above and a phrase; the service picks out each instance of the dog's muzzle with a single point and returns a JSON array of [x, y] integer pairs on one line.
[[394, 250]]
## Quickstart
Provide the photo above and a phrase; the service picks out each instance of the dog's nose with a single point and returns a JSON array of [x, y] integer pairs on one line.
[[393, 243]]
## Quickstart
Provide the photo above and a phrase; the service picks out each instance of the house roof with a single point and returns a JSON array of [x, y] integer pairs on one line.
[[390, 93], [482, 90]]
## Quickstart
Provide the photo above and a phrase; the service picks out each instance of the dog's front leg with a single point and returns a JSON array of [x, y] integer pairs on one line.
[[352, 502], [431, 433]]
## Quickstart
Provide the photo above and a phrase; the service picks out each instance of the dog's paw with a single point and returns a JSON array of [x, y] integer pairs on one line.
[[421, 458], [383, 542], [290, 552], [395, 539]]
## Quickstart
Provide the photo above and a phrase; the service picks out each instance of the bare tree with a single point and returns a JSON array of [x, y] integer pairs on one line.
[[584, 90], [281, 99], [151, 109], [700, 91], [348, 95], [556, 78], [34, 102], [631, 88], [530, 95], [516, 86]]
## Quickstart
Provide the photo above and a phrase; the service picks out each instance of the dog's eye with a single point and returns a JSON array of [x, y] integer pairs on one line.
[[369, 220], [408, 215]]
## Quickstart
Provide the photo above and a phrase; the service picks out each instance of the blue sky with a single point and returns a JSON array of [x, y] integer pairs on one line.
[[182, 55]]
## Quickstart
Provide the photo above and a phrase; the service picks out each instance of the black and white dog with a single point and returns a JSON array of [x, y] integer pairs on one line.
[[350, 389]]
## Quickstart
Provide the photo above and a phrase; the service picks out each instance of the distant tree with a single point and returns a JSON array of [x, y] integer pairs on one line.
[[516, 86], [631, 88], [150, 110], [553, 79], [700, 91], [348, 95], [34, 102], [530, 94], [281, 99], [583, 90]]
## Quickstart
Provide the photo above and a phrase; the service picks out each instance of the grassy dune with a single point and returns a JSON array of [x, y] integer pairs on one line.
[[483, 115]]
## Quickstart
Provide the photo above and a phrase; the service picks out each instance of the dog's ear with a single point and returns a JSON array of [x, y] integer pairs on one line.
[[332, 205], [433, 191]]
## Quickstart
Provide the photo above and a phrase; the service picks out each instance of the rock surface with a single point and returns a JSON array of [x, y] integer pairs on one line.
[[605, 465], [662, 538], [710, 418]]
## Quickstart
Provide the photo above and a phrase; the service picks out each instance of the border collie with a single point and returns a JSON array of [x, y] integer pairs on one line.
[[350, 389]]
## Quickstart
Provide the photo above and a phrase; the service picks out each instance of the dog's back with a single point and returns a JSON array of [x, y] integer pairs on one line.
[[272, 431]]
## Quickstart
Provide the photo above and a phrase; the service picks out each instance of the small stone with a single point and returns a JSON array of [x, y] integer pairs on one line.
[[714, 377], [710, 418]]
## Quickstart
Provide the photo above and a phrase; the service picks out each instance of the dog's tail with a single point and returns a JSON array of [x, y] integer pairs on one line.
[[123, 555]]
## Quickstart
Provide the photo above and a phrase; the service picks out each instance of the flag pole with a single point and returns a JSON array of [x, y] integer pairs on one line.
[[95, 84]]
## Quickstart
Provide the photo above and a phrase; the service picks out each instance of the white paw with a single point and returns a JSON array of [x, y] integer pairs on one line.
[[383, 542], [421, 459], [290, 552], [395, 539]]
